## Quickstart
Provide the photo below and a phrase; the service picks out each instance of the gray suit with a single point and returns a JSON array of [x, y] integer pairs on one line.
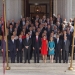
[[65, 48]]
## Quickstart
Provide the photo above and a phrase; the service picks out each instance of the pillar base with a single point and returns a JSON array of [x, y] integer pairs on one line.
[[70, 68], [7, 68]]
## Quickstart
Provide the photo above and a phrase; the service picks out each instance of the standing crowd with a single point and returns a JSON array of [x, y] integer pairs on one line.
[[50, 37]]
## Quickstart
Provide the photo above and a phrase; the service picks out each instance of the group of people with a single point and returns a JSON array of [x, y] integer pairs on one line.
[[50, 37]]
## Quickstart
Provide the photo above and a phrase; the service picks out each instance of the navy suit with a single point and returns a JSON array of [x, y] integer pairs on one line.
[[27, 51], [36, 45], [19, 52], [58, 47], [12, 48]]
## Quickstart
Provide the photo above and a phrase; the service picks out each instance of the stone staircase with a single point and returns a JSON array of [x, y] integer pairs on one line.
[[39, 69]]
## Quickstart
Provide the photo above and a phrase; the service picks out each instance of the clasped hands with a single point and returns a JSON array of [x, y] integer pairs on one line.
[[26, 47]]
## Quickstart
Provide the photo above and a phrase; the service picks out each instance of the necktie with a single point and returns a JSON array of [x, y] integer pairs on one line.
[[27, 39], [57, 40], [65, 42]]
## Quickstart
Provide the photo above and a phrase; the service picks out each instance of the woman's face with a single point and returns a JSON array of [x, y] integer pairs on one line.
[[44, 37], [51, 39]]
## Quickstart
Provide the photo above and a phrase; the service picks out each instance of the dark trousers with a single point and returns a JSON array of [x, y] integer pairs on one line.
[[12, 54], [27, 55], [58, 57], [36, 55], [65, 56], [19, 56], [31, 52]]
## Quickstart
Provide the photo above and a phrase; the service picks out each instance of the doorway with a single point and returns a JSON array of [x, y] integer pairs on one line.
[[33, 9]]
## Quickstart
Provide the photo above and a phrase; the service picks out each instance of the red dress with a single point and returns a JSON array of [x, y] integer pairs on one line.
[[23, 37], [44, 47]]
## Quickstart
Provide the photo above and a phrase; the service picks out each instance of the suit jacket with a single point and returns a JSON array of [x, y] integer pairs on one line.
[[37, 44], [58, 46], [12, 46], [65, 47], [19, 44], [60, 20], [25, 43]]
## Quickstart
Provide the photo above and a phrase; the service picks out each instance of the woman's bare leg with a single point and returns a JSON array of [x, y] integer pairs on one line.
[[45, 58], [52, 58]]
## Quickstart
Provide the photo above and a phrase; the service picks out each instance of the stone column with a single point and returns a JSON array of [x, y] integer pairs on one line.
[[51, 8], [27, 8], [13, 9], [64, 8], [1, 8], [55, 7], [23, 8]]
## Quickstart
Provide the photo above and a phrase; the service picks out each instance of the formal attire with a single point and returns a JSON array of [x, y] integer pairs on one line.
[[36, 45], [65, 47], [51, 46], [58, 47], [12, 48], [3, 46], [27, 42], [19, 52], [44, 47]]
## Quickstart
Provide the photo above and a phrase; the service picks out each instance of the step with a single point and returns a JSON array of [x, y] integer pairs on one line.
[[39, 69]]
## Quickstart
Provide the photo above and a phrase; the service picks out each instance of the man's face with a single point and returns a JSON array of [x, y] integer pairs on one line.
[[12, 37], [57, 36], [27, 36], [10, 26], [65, 38], [36, 33], [20, 36]]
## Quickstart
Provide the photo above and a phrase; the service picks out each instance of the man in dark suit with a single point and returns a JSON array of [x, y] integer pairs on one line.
[[19, 49], [48, 32], [22, 22], [13, 23], [65, 48], [12, 48], [27, 45], [59, 19], [36, 47], [58, 49], [11, 31]]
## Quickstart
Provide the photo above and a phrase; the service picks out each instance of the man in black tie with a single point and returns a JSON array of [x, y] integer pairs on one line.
[[58, 49], [27, 46], [19, 49], [36, 47], [65, 48]]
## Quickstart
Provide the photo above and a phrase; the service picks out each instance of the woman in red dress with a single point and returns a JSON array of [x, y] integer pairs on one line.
[[23, 35], [44, 48]]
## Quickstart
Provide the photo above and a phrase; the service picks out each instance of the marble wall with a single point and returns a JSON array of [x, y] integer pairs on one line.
[[13, 8], [1, 8], [66, 8], [73, 8]]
